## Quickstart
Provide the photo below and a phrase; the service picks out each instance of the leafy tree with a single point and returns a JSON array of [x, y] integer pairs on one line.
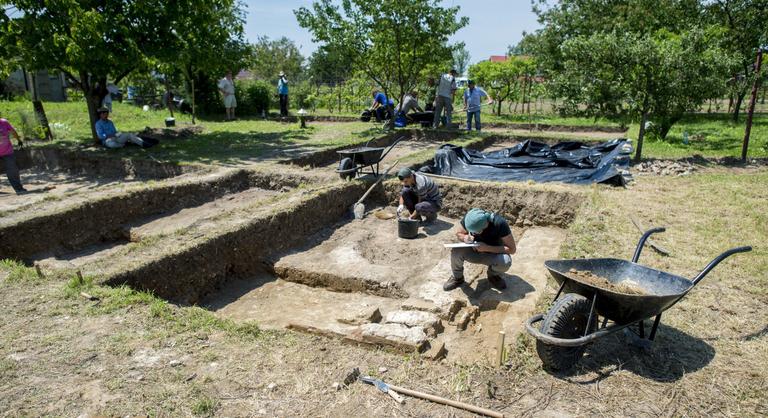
[[272, 56], [744, 29], [330, 65], [461, 58], [503, 80], [659, 77], [95, 42], [390, 40]]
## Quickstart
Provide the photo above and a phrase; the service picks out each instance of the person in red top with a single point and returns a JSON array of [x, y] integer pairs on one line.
[[6, 154]]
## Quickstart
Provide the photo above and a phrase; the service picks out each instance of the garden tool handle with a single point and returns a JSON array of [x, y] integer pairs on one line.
[[642, 242], [449, 402], [717, 261], [381, 177]]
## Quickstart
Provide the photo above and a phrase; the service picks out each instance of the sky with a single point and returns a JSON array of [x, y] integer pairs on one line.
[[493, 24]]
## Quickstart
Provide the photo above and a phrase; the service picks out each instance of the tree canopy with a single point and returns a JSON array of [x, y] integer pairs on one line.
[[93, 43], [391, 41], [272, 56]]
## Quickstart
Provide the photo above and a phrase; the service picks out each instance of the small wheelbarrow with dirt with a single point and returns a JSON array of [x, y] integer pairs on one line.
[[354, 161], [626, 294]]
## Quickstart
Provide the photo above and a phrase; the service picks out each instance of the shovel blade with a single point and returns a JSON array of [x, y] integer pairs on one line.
[[358, 210]]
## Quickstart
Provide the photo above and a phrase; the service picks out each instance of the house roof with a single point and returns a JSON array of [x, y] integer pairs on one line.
[[498, 58]]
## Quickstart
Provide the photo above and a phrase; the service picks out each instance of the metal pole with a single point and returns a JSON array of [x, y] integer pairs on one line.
[[751, 111]]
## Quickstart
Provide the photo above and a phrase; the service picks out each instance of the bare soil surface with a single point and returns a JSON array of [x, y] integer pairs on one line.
[[363, 265]]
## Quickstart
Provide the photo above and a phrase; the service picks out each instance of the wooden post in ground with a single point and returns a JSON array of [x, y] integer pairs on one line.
[[752, 100], [500, 349]]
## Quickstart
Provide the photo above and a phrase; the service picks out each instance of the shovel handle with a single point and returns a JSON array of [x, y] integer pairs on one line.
[[381, 177], [449, 402]]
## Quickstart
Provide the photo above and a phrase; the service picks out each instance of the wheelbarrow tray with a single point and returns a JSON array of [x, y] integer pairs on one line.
[[662, 289], [363, 155]]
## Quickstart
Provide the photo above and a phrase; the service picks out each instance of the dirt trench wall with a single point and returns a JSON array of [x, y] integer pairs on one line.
[[521, 205], [88, 162], [187, 275], [102, 219]]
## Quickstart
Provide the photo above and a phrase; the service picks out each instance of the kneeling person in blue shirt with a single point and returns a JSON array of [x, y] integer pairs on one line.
[[108, 135], [495, 247]]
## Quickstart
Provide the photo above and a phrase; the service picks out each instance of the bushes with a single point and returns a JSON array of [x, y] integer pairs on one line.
[[253, 97]]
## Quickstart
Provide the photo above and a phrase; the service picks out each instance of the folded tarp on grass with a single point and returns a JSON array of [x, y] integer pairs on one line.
[[567, 162]]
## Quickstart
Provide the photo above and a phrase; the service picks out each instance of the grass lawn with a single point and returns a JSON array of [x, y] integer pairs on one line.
[[220, 143], [711, 135]]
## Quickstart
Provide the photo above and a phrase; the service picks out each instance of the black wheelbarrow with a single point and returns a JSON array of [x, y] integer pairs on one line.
[[571, 323], [353, 162]]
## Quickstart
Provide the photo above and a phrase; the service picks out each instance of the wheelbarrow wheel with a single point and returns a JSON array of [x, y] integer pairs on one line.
[[567, 318], [344, 165]]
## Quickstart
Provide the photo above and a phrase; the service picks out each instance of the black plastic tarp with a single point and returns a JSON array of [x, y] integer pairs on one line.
[[567, 162]]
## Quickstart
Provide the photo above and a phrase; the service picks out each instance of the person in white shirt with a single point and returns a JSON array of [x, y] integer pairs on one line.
[[227, 88], [446, 90]]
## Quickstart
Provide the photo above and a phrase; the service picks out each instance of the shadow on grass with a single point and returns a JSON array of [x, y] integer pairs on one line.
[[233, 147], [671, 356]]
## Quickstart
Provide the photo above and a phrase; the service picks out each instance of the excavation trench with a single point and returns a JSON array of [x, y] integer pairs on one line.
[[280, 248]]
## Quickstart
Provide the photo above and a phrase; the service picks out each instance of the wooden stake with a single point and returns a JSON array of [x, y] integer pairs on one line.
[[39, 271], [500, 349], [80, 279]]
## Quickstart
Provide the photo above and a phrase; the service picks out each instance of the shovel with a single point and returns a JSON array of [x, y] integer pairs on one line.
[[358, 209]]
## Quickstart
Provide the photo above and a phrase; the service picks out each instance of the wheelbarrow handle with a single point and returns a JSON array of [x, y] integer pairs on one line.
[[642, 241], [390, 147], [717, 261]]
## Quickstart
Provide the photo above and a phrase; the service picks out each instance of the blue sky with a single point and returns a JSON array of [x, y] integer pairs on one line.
[[493, 24]]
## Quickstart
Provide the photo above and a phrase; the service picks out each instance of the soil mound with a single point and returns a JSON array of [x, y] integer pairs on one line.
[[625, 286]]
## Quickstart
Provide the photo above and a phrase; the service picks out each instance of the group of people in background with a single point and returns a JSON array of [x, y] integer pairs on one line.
[[439, 104], [227, 89]]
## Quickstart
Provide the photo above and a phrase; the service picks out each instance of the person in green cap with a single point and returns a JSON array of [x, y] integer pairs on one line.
[[420, 196], [495, 246]]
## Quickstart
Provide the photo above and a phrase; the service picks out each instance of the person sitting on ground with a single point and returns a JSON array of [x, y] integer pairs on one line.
[[108, 135], [9, 159], [381, 105], [472, 97], [420, 196], [495, 246]]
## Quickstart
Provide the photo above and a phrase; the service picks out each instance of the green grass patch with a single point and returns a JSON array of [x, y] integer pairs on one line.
[[710, 135], [16, 272], [178, 319], [220, 143]]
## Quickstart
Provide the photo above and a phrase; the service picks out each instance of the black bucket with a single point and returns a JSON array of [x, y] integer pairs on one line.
[[170, 122], [407, 228]]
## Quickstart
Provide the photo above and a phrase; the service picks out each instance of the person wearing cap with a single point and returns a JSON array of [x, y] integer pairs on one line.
[[9, 159], [446, 90], [495, 246], [420, 196], [227, 88], [108, 134], [472, 97], [282, 90]]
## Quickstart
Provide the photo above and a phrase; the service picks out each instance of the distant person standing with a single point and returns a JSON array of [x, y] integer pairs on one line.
[[472, 97], [227, 88], [9, 159], [282, 90], [446, 91]]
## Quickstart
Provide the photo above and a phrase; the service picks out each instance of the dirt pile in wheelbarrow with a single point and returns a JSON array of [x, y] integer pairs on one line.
[[625, 286]]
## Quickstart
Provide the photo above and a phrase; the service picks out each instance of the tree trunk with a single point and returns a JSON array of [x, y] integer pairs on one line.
[[737, 106], [169, 96], [640, 137], [751, 111]]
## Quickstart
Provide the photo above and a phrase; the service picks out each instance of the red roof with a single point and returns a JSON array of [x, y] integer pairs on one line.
[[498, 58]]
